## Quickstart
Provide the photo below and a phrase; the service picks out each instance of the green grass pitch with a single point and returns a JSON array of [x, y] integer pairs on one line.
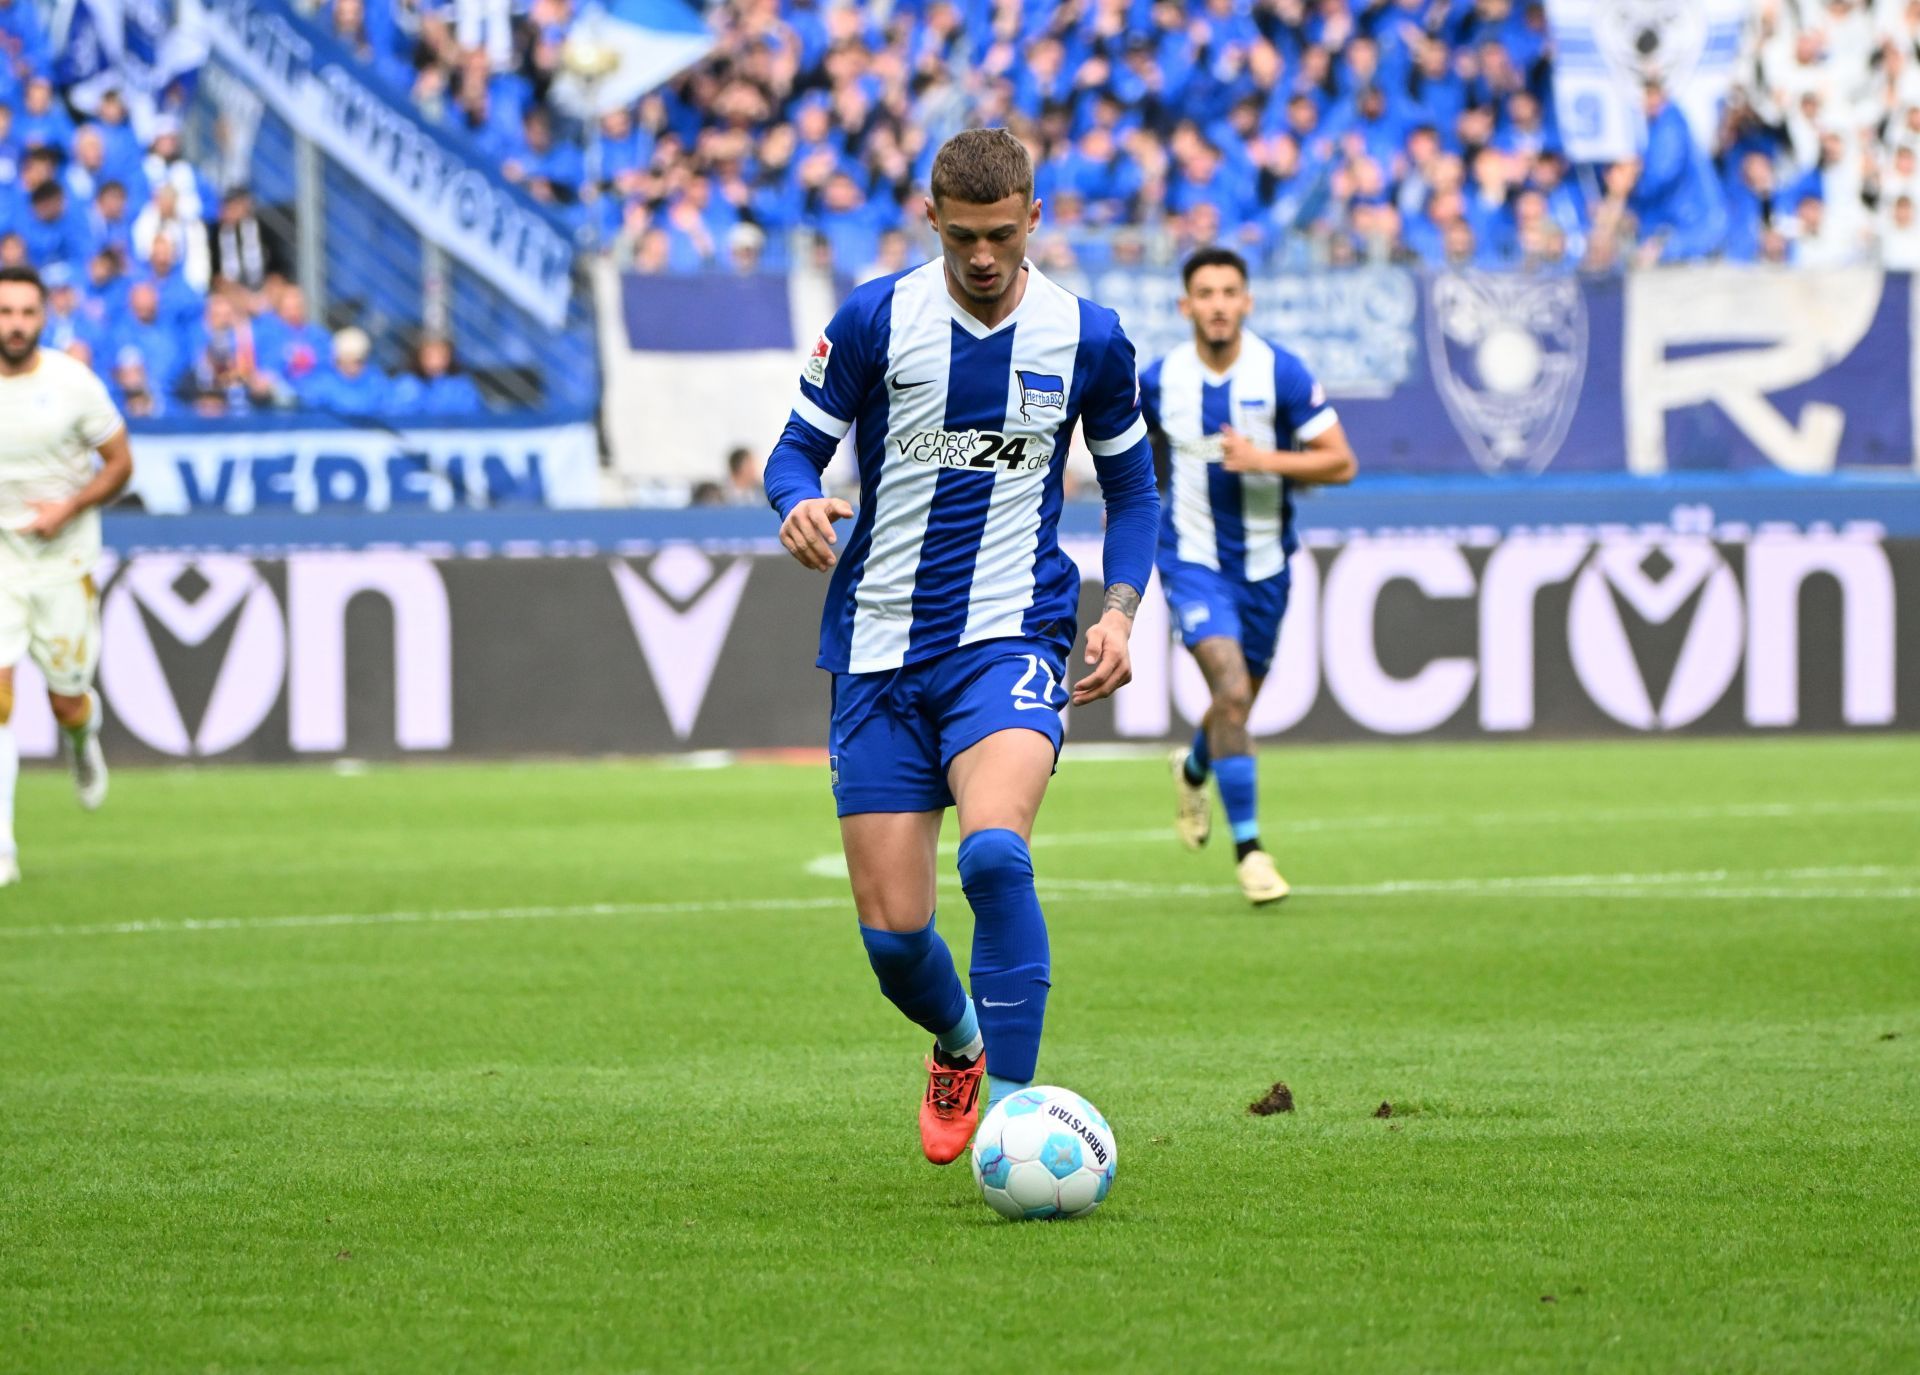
[[580, 1067]]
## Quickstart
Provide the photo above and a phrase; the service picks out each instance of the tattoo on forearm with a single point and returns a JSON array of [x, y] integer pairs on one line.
[[1122, 598]]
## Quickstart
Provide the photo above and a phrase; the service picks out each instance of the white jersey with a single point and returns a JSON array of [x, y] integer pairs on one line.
[[51, 421]]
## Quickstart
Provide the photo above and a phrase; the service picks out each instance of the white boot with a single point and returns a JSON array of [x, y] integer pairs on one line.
[[88, 762]]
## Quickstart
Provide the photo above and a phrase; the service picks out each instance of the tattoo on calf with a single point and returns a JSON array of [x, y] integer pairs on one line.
[[1122, 598]]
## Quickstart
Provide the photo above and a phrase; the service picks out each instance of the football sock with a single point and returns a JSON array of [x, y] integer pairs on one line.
[[1239, 794], [9, 773], [1199, 758], [91, 726], [1243, 848], [962, 1040], [998, 1088], [1011, 970], [915, 970]]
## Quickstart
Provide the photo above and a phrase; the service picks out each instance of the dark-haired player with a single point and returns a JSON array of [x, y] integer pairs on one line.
[[951, 608], [1243, 422], [54, 415]]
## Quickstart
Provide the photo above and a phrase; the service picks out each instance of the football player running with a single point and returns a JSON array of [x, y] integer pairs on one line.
[[58, 415], [950, 611], [1244, 423]]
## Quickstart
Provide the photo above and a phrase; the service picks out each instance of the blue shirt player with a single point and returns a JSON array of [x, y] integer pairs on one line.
[[951, 607], [1244, 423]]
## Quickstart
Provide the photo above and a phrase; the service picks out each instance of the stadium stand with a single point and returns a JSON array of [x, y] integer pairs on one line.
[[1402, 130], [1406, 131]]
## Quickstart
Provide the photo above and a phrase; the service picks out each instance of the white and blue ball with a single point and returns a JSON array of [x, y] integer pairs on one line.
[[1044, 1152]]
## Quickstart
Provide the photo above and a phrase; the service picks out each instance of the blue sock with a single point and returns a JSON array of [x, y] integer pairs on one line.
[[1010, 971], [915, 970], [1239, 794], [962, 1039], [1199, 757], [998, 1088]]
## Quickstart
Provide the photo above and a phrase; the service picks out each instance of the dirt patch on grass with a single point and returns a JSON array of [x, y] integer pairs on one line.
[[1384, 1110], [1279, 1098]]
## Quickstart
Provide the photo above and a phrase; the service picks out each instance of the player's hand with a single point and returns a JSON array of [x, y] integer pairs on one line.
[[1238, 454], [49, 519], [1112, 664], [808, 534]]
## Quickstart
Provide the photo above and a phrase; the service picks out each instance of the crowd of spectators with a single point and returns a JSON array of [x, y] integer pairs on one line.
[[1820, 152], [172, 290], [1302, 132]]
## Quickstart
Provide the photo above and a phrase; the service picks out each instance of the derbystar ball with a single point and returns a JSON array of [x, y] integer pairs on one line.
[[1044, 1152]]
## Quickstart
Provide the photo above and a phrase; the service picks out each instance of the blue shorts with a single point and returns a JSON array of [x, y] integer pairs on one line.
[[1207, 604], [895, 733]]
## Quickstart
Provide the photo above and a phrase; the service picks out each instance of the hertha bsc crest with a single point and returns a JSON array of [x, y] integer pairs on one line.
[[1508, 357]]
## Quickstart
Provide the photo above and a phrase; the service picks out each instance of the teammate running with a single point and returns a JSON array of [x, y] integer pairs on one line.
[[1224, 403], [56, 414], [951, 608]]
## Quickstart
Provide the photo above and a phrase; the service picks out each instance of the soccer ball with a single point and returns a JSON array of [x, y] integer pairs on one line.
[[1044, 1153]]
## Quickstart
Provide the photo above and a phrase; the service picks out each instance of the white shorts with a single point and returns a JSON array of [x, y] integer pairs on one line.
[[60, 625]]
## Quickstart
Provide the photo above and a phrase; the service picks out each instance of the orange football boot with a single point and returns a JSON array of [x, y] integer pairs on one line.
[[951, 1109]]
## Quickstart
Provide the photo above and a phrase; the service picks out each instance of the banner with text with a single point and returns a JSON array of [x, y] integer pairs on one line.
[[1705, 369], [311, 465], [1568, 633], [464, 206]]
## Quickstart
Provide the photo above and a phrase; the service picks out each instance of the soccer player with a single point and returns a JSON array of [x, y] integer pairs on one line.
[[56, 415], [1244, 423], [950, 612]]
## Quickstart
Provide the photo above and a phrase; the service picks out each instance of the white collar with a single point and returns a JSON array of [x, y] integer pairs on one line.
[[969, 323]]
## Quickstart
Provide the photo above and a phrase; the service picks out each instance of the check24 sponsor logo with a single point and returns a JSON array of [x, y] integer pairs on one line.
[[985, 450]]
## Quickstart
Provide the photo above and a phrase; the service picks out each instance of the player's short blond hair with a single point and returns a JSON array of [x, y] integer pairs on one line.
[[982, 166]]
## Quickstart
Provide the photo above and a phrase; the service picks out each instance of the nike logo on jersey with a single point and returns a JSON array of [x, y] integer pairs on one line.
[[988, 1002], [898, 385]]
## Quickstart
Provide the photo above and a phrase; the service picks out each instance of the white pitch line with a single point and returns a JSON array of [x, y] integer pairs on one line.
[[1397, 821], [1688, 878], [1678, 886], [1687, 884], [833, 866], [424, 917], [1753, 894]]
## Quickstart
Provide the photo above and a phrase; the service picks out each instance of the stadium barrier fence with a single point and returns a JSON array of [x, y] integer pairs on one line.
[[324, 636]]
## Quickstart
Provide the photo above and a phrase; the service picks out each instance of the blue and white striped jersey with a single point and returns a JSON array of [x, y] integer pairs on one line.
[[1238, 523], [961, 434]]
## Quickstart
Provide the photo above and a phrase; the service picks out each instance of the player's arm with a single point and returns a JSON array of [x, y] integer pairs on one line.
[[116, 468], [1326, 458], [793, 489], [1323, 456], [831, 390], [1123, 460]]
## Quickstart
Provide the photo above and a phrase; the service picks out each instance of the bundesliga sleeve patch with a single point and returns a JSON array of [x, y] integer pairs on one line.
[[816, 369], [1317, 398]]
